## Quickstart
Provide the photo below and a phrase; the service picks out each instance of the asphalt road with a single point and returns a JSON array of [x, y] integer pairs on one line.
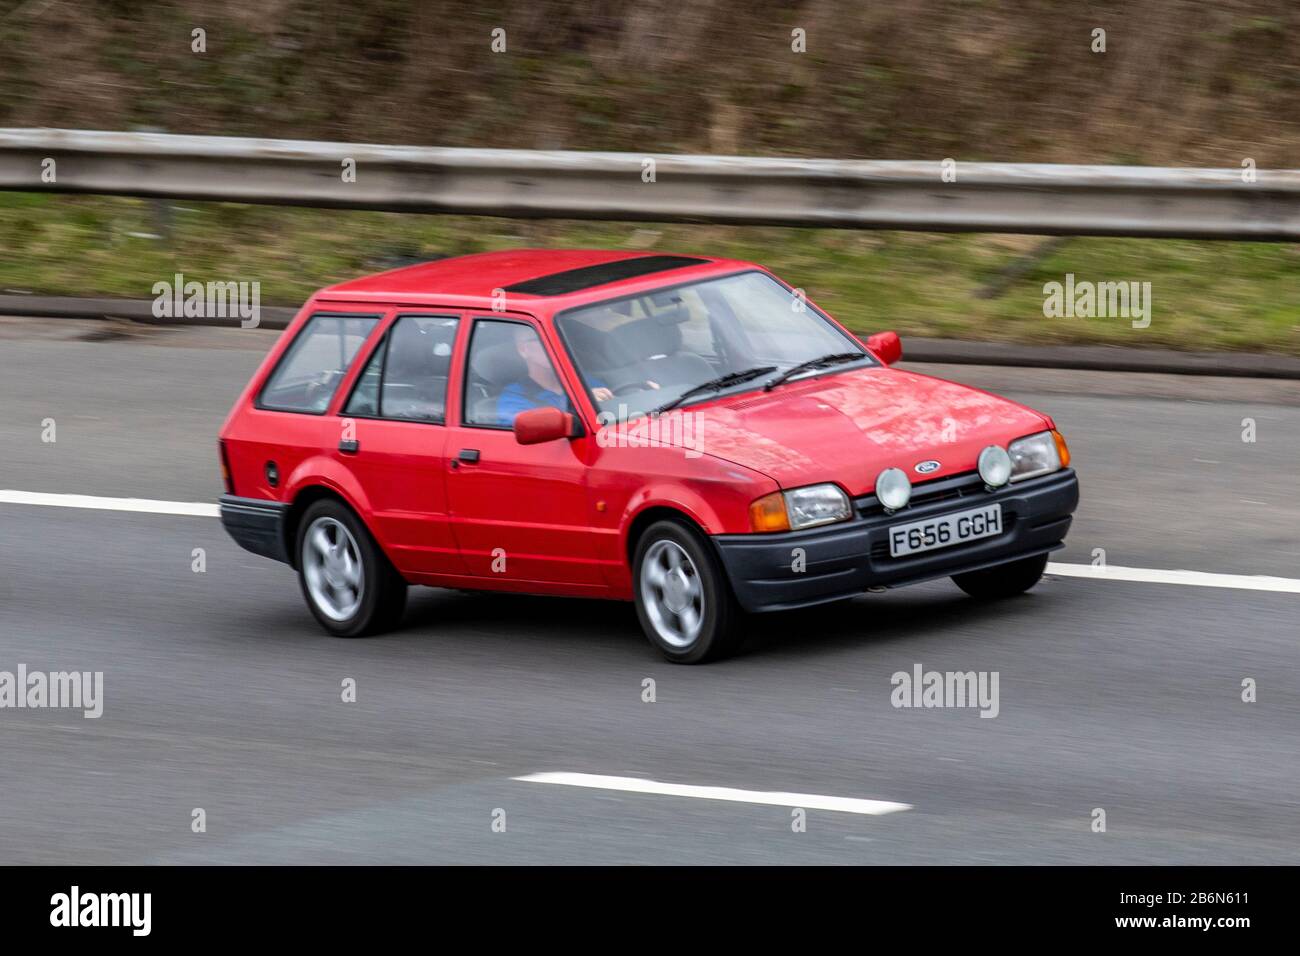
[[220, 693]]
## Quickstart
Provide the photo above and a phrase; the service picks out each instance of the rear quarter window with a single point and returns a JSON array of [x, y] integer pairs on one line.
[[309, 372]]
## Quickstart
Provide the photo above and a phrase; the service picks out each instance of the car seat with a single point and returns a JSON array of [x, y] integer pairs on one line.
[[491, 370], [651, 349]]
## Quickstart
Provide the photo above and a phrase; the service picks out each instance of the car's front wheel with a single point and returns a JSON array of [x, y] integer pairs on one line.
[[350, 585], [683, 599], [1002, 580]]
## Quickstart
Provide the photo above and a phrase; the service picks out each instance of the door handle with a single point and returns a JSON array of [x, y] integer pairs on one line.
[[468, 455], [349, 446]]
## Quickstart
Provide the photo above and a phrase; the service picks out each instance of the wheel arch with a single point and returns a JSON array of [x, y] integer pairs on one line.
[[648, 516], [304, 498]]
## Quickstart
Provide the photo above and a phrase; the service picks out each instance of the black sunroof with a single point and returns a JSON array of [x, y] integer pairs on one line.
[[559, 283]]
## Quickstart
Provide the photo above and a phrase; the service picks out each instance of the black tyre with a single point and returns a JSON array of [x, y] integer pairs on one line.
[[1002, 580], [683, 598], [348, 582]]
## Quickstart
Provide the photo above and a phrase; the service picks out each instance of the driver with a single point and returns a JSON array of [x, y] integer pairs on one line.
[[541, 387]]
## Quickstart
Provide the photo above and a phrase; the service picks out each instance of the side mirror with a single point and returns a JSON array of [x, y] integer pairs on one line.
[[886, 346], [539, 425]]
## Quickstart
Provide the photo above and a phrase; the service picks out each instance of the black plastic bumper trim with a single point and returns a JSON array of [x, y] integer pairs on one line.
[[257, 525], [842, 560]]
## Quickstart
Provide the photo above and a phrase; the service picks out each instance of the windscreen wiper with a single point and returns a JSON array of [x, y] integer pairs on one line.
[[835, 358], [715, 385]]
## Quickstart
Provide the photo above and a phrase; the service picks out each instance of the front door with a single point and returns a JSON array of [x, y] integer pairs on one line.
[[519, 512]]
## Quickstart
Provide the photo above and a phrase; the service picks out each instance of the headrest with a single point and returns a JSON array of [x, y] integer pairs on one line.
[[645, 339], [500, 364], [672, 311], [591, 347]]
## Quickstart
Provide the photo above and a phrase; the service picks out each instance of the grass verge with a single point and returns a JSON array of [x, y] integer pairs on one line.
[[1205, 295]]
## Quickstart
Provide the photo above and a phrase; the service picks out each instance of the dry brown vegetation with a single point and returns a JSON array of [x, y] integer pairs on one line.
[[1181, 83]]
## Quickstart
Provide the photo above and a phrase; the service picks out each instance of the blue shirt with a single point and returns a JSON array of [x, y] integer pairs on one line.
[[516, 398], [521, 396]]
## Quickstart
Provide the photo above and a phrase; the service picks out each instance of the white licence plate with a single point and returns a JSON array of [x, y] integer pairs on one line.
[[945, 531]]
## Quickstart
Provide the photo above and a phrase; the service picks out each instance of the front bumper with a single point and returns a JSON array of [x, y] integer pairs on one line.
[[257, 525], [842, 560]]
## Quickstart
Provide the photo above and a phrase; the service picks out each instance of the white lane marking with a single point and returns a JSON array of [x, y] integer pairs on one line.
[[203, 509], [196, 509], [1204, 579], [809, 801]]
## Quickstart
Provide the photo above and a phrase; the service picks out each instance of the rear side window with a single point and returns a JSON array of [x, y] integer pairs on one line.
[[406, 378], [364, 401], [310, 371]]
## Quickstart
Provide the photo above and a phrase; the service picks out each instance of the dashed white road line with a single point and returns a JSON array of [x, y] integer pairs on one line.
[[203, 509], [195, 509], [1203, 579], [808, 801]]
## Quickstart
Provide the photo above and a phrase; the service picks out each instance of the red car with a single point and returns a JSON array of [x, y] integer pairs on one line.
[[687, 433]]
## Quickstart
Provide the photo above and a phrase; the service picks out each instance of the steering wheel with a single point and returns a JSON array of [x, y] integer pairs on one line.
[[629, 388]]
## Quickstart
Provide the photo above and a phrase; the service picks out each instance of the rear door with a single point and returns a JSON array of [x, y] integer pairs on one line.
[[393, 438]]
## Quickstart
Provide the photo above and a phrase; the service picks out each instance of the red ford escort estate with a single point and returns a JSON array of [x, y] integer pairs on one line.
[[688, 433]]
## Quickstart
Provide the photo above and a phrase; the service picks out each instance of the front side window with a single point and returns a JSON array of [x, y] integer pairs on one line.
[[636, 354], [509, 372], [310, 371]]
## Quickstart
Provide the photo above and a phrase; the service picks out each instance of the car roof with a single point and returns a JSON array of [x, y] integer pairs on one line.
[[547, 279]]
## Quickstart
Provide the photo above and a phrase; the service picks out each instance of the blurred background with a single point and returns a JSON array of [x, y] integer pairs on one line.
[[221, 693], [1180, 83]]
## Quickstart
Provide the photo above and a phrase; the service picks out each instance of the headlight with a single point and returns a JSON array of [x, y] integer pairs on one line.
[[1034, 455], [893, 489], [816, 504], [800, 508], [995, 466]]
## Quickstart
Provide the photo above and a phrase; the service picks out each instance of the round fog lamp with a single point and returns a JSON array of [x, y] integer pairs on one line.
[[894, 490], [995, 466]]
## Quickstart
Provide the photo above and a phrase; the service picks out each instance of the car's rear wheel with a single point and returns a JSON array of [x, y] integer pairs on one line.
[[683, 599], [1002, 580], [349, 584]]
